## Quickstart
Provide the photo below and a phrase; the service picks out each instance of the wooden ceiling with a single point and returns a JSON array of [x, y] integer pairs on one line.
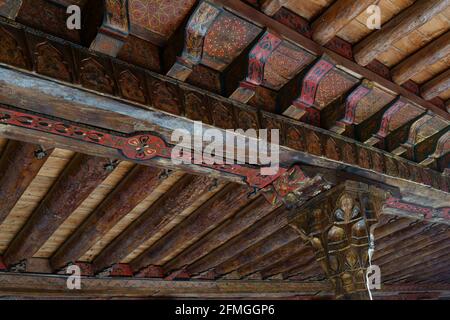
[[351, 103]]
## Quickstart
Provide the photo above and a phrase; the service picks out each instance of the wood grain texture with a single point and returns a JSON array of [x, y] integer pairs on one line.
[[430, 54], [19, 164], [336, 17], [398, 27], [78, 180], [216, 210], [132, 190], [179, 197], [436, 86], [245, 218]]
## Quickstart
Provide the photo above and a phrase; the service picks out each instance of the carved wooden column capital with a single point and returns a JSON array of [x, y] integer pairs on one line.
[[338, 226]]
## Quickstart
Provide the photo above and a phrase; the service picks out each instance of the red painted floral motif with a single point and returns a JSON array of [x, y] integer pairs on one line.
[[143, 146]]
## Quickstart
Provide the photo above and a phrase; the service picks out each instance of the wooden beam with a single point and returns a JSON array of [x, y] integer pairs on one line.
[[398, 27], [245, 218], [260, 230], [19, 164], [251, 14], [270, 250], [41, 286], [131, 191], [336, 17], [270, 7], [103, 112], [181, 196], [220, 207], [425, 57], [436, 86], [82, 175]]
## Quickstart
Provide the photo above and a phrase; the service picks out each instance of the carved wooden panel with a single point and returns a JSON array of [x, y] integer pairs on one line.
[[338, 228], [141, 53], [47, 16]]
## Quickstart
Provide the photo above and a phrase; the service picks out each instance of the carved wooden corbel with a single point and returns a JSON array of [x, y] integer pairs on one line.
[[114, 29], [196, 30], [339, 227], [294, 188]]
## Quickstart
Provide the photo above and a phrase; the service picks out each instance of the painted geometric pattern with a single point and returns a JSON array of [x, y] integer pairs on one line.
[[159, 16], [403, 115], [433, 125], [332, 86], [371, 104], [283, 64], [226, 39]]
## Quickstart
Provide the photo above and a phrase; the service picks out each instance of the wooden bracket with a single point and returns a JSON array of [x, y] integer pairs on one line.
[[303, 107], [196, 30], [114, 29], [338, 228]]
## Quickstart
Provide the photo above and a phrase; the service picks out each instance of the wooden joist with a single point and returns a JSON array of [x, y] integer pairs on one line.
[[82, 175], [182, 195], [131, 191], [437, 85], [398, 27], [264, 253], [336, 17], [249, 215], [221, 206], [260, 230], [19, 164], [425, 57], [262, 19]]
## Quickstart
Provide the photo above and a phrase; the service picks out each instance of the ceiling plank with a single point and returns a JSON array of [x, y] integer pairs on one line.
[[132, 190], [258, 258], [260, 230], [180, 197], [437, 85], [250, 13], [425, 57], [245, 218], [398, 27], [82, 175], [216, 210], [336, 17], [19, 164]]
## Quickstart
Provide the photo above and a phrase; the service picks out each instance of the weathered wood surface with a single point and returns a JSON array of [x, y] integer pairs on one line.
[[401, 25], [336, 17], [221, 206], [260, 18], [55, 286], [260, 230], [74, 185], [181, 196], [95, 110], [436, 86], [425, 57], [245, 218], [132, 190], [19, 164]]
